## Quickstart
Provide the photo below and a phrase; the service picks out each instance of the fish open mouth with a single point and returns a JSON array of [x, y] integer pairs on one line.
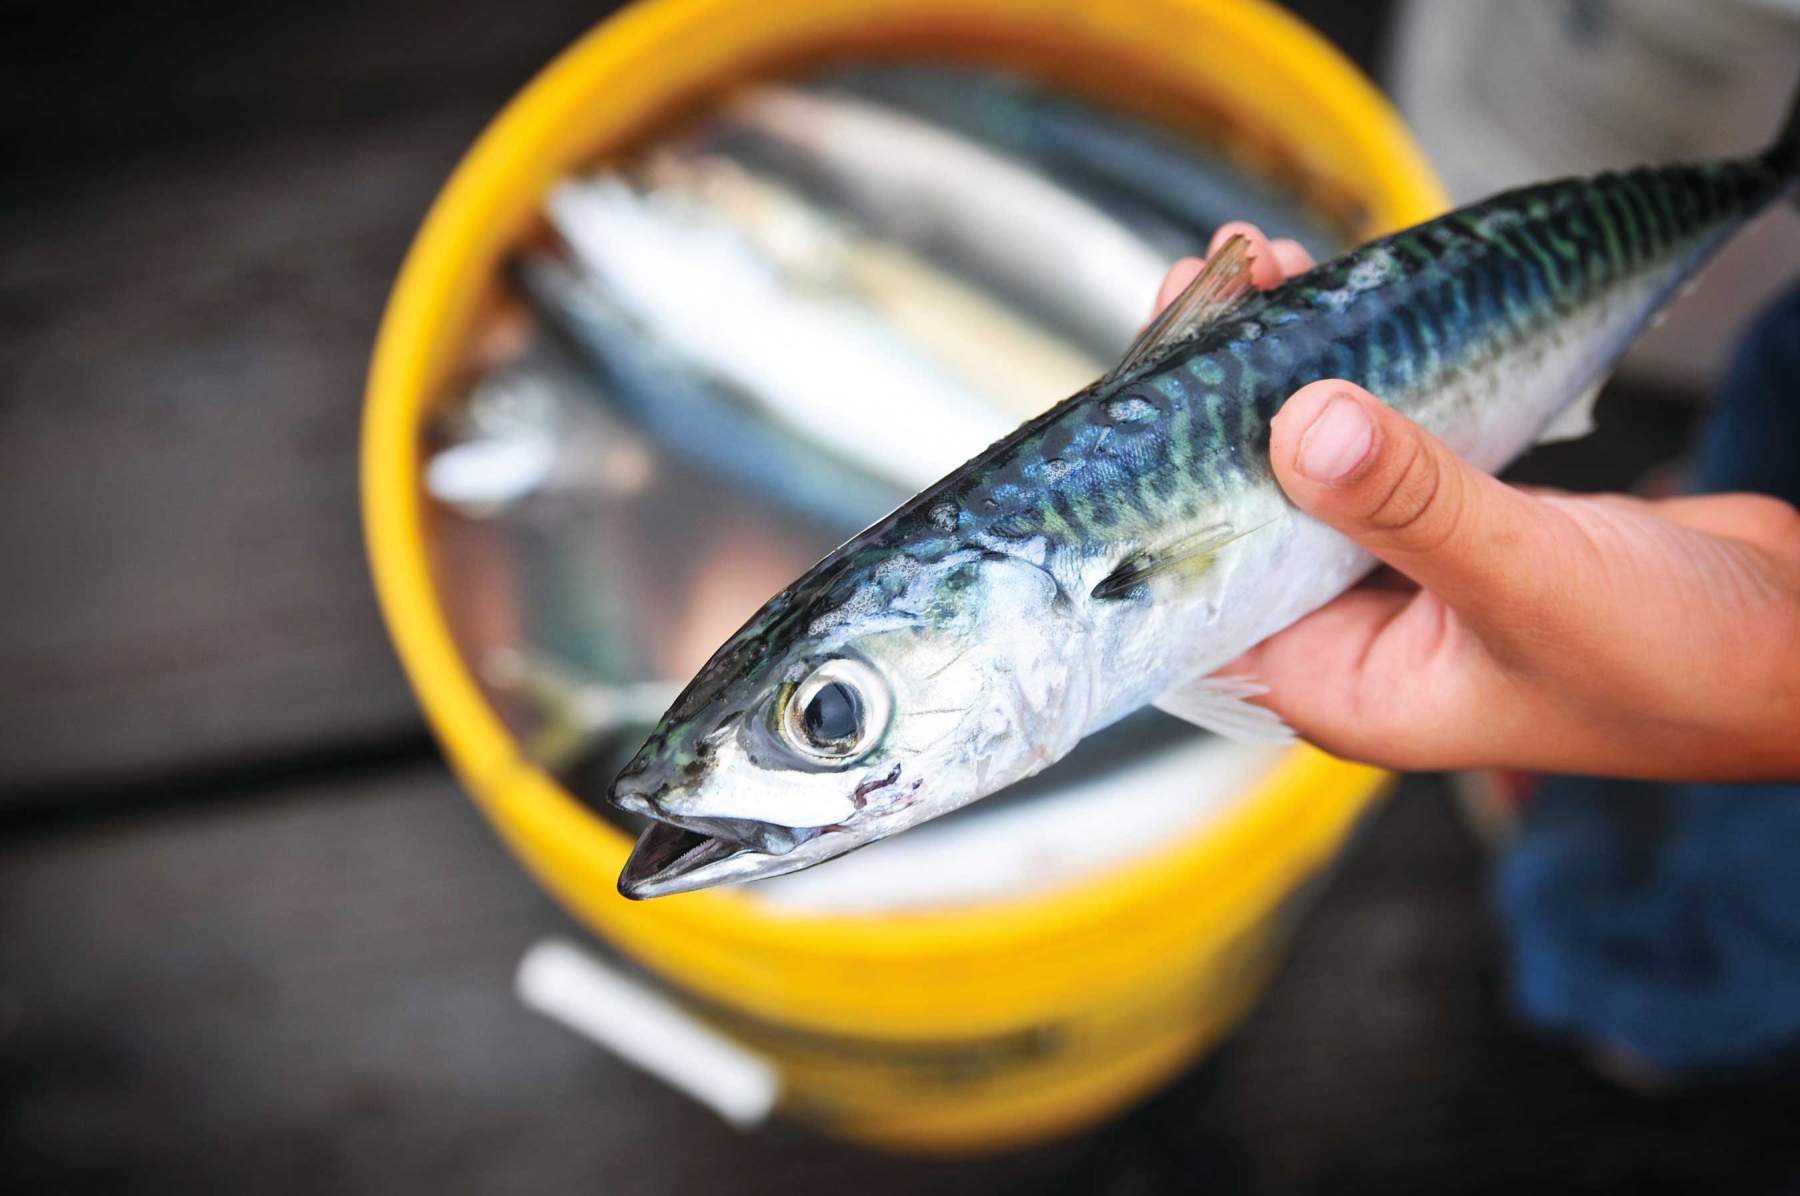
[[671, 858], [665, 855]]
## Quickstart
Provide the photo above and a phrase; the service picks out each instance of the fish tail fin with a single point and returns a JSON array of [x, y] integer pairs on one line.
[[1783, 156]]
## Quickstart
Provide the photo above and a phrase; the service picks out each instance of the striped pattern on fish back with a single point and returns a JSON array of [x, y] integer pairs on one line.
[[1397, 316]]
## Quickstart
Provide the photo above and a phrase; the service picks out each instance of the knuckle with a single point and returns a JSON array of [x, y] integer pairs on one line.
[[1421, 503], [1769, 520]]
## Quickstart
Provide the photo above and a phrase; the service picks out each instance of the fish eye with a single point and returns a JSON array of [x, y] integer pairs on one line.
[[832, 715], [837, 714]]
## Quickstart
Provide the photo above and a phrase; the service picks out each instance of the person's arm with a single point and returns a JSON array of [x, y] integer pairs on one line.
[[1592, 634]]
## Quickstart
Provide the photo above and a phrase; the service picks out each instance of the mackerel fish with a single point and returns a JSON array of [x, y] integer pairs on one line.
[[1115, 551]]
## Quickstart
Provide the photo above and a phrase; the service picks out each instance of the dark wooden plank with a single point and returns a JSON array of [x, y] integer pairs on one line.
[[310, 993], [183, 357], [204, 212], [101, 85]]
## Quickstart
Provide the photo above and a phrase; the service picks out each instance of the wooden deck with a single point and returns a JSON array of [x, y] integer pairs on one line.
[[306, 990], [252, 938]]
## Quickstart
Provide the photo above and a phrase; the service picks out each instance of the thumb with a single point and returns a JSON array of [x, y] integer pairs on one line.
[[1350, 461]]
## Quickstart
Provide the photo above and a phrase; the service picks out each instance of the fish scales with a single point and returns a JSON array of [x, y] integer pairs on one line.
[[1235, 376], [1332, 318], [1132, 539], [1070, 475]]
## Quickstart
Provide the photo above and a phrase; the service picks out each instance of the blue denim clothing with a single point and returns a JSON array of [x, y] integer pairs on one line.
[[1752, 440], [1664, 920]]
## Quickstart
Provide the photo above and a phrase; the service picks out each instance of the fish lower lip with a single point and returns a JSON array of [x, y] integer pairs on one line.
[[664, 854], [669, 858]]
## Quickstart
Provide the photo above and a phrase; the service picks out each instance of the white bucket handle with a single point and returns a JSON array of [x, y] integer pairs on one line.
[[647, 1030]]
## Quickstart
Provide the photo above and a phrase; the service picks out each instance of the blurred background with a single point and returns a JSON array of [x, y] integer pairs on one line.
[[252, 934]]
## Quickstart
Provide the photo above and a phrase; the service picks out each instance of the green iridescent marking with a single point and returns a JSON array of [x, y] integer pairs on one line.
[[1373, 363], [1406, 245], [1459, 294], [1145, 489], [1426, 332], [1609, 232], [1169, 387], [1512, 309], [1181, 418], [1569, 251], [1053, 525], [1655, 240], [1081, 510], [1543, 295], [1629, 234], [1547, 263], [1209, 435], [1247, 380]]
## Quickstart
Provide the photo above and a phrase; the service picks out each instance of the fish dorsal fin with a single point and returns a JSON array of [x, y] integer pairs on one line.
[[1222, 705], [1215, 290], [1191, 556]]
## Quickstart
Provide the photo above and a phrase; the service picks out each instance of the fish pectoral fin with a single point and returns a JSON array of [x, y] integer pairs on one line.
[[1214, 292], [1189, 557], [1222, 705], [1574, 421]]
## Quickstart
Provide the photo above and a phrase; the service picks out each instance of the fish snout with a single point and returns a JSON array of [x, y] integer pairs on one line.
[[633, 803], [640, 789], [654, 793]]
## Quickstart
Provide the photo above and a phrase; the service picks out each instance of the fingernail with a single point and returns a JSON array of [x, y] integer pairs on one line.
[[1337, 440]]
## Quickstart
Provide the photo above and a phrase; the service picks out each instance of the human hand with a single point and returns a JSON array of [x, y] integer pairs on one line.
[[1529, 629]]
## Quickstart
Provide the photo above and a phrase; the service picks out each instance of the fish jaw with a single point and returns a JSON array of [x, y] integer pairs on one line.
[[678, 853], [669, 859]]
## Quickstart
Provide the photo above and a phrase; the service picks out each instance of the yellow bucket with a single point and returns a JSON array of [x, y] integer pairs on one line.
[[965, 1029]]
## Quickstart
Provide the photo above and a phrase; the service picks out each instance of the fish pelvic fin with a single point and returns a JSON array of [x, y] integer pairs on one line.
[[1222, 705], [1215, 291]]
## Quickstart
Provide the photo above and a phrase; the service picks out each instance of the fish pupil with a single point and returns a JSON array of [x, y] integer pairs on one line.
[[831, 716]]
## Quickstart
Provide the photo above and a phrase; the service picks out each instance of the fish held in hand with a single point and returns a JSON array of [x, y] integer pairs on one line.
[[1115, 551]]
